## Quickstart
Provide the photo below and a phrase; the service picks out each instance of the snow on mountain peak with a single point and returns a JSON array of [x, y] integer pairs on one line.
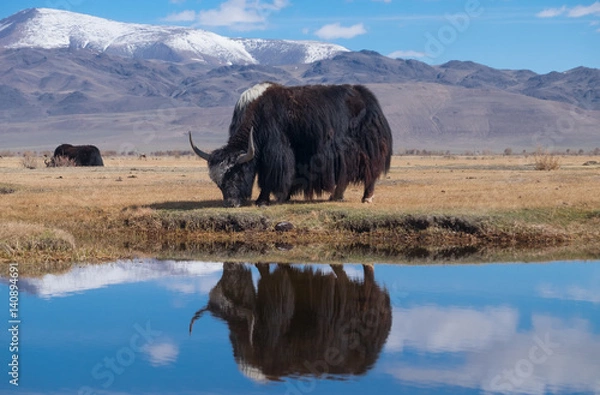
[[49, 28]]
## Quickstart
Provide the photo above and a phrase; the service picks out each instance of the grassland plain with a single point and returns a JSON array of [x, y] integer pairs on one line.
[[438, 208]]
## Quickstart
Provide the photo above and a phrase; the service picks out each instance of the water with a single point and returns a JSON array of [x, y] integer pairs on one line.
[[124, 328]]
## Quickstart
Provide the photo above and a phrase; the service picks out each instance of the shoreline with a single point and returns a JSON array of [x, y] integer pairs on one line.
[[427, 209]]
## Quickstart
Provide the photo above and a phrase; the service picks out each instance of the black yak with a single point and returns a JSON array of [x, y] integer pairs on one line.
[[301, 322], [304, 139], [81, 155]]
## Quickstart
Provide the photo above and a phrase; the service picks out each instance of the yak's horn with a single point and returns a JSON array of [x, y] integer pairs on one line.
[[196, 317], [197, 150], [247, 157]]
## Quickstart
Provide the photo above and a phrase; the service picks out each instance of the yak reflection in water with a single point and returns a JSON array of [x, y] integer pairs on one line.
[[299, 321]]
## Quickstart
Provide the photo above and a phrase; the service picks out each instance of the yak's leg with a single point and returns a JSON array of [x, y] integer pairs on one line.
[[264, 199], [341, 182], [263, 269], [284, 190], [282, 196], [369, 280], [340, 188], [276, 172], [369, 190], [369, 273], [340, 273]]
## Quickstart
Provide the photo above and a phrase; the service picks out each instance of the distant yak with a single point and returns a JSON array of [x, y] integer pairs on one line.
[[303, 139], [81, 155]]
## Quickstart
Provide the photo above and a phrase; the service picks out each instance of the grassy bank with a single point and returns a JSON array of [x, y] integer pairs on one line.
[[426, 209]]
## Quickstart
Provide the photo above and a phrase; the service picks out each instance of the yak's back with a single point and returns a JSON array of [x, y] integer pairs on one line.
[[82, 155]]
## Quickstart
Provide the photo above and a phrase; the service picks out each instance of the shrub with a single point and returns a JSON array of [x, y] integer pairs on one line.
[[545, 161], [6, 154], [60, 161], [29, 161]]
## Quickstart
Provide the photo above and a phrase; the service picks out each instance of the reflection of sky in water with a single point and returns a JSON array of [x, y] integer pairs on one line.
[[123, 328]]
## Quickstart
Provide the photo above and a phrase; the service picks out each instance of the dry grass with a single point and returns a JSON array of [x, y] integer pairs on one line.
[[60, 161], [164, 204], [22, 236], [546, 161], [29, 161], [33, 244]]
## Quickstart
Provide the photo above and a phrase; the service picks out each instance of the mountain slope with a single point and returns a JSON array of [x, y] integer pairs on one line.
[[52, 29], [97, 86], [579, 87]]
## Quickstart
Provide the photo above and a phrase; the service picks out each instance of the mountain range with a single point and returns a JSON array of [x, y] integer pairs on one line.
[[67, 77]]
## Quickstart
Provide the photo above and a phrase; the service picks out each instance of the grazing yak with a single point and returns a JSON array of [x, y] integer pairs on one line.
[[300, 322], [81, 155], [303, 139]]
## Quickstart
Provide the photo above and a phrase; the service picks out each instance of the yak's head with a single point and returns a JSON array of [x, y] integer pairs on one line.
[[232, 170]]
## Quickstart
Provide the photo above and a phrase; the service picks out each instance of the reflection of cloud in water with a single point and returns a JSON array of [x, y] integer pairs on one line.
[[83, 278], [194, 286], [574, 292], [553, 356], [161, 354], [435, 329]]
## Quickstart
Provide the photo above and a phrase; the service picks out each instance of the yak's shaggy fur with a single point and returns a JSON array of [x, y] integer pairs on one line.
[[82, 155], [274, 337], [308, 139]]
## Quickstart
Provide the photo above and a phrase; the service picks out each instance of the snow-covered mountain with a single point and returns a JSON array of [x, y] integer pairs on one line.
[[196, 277], [75, 78], [51, 29]]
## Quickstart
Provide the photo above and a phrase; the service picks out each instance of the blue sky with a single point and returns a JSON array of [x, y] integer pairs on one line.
[[538, 35]]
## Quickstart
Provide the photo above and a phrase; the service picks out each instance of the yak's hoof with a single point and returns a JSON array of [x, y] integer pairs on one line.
[[368, 200]]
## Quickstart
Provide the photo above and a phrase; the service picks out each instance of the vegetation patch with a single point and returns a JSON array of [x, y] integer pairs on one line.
[[60, 161], [29, 161], [361, 223], [22, 236], [200, 221], [341, 233], [6, 189], [426, 210], [546, 161], [410, 253], [38, 249]]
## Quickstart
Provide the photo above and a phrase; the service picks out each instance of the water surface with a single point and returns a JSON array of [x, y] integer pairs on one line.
[[158, 327]]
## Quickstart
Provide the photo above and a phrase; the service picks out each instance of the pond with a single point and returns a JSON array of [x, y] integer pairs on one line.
[[157, 327]]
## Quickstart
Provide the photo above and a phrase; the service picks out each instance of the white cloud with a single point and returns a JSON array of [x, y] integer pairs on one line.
[[88, 277], [560, 354], [177, 1], [456, 329], [161, 354], [580, 10], [335, 30], [551, 12], [572, 12], [241, 14], [192, 285], [407, 54], [574, 292], [183, 16]]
